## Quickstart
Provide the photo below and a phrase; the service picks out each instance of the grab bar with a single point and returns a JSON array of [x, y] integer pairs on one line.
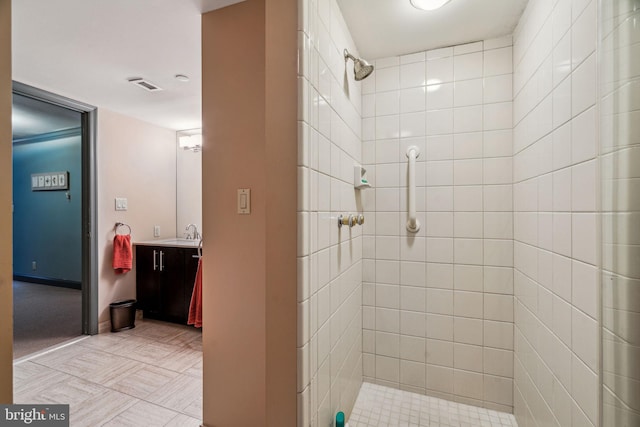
[[413, 225]]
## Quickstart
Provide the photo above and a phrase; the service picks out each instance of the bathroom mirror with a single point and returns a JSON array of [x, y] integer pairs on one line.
[[188, 180]]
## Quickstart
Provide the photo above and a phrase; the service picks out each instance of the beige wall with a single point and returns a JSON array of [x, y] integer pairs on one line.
[[6, 280], [137, 160], [249, 289]]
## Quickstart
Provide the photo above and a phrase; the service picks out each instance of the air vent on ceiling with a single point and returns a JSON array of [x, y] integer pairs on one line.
[[145, 84]]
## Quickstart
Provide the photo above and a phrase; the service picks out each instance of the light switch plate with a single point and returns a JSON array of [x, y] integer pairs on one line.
[[244, 201], [121, 204]]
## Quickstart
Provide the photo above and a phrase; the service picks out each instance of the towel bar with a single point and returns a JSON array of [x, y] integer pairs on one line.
[[121, 224]]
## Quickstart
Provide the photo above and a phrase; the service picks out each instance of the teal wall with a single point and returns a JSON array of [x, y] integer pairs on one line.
[[47, 224]]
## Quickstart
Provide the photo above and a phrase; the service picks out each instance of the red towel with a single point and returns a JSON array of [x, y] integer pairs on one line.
[[122, 253], [195, 308]]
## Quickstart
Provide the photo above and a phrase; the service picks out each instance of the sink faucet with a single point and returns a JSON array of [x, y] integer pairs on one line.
[[192, 234]]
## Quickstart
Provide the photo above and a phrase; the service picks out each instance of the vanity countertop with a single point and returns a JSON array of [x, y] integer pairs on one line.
[[173, 242]]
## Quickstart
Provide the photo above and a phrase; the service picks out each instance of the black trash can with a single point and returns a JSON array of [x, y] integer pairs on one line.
[[123, 315]]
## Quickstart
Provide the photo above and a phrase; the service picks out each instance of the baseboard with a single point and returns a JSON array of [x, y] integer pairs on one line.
[[71, 284]]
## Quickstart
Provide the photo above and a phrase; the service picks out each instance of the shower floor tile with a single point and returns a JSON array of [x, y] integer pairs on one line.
[[383, 406]]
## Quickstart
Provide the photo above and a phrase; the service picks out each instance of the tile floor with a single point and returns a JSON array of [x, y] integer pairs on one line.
[[147, 376], [383, 406]]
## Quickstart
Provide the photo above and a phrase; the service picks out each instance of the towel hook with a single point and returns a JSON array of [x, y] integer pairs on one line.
[[121, 224]]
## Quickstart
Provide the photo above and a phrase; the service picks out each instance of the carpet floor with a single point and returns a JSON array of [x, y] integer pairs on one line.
[[44, 316]]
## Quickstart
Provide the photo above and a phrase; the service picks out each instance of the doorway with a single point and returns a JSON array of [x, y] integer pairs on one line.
[[55, 274]]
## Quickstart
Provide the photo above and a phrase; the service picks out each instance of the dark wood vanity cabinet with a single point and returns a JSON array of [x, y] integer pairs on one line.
[[164, 281]]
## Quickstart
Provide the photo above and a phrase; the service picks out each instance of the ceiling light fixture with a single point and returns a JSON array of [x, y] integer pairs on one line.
[[182, 78], [428, 4]]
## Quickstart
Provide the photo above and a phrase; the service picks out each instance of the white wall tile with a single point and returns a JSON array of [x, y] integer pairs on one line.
[[412, 57], [469, 119], [457, 107], [467, 172], [412, 100], [468, 92], [583, 86], [468, 331], [439, 147], [497, 171], [562, 58], [584, 289], [498, 116], [468, 145], [468, 278], [468, 198], [498, 197], [440, 96], [412, 323], [412, 75], [387, 127], [498, 307], [562, 103], [439, 327], [439, 173], [467, 357], [498, 334], [387, 79], [498, 89], [412, 125], [439, 70], [584, 232], [468, 66], [439, 121], [555, 141], [498, 61], [387, 103], [583, 184], [439, 224], [468, 251], [498, 143], [583, 35], [468, 224], [413, 298], [583, 136], [468, 304], [498, 225]]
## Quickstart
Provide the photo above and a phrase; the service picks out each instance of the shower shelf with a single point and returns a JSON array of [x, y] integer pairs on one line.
[[360, 180]]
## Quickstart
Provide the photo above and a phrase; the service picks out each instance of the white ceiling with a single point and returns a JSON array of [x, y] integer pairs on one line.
[[87, 49], [383, 28]]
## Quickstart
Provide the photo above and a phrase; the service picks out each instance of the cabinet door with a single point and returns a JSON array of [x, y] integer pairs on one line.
[[190, 269], [148, 279], [172, 285]]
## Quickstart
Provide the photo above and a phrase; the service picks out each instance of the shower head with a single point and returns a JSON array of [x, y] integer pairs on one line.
[[361, 68]]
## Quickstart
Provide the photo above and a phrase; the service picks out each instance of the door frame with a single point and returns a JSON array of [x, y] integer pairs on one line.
[[89, 198]]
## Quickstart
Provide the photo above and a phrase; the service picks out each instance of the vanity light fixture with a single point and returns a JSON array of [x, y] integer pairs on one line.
[[428, 4], [190, 140]]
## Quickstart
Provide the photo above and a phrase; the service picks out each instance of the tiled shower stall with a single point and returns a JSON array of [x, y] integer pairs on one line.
[[495, 302]]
